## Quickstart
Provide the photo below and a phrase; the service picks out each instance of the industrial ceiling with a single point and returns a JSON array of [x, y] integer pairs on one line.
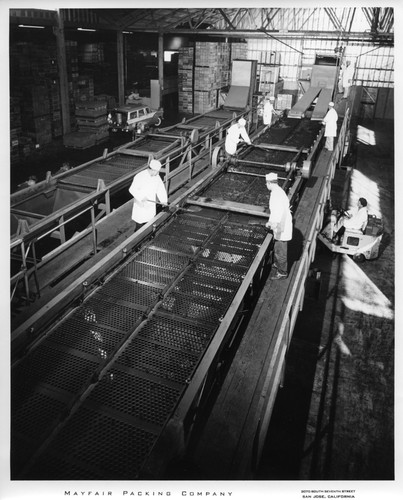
[[366, 23]]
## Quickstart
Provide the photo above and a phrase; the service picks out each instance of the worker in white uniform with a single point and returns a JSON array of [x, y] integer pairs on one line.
[[280, 222], [146, 188], [357, 220], [234, 135], [268, 110], [330, 122], [347, 78]]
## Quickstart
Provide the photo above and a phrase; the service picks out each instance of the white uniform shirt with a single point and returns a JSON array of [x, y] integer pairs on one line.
[[331, 123], [347, 75], [143, 188], [357, 220], [280, 216], [267, 113], [234, 133]]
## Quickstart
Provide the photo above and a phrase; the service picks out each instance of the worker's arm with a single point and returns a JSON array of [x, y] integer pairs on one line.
[[162, 192], [245, 136]]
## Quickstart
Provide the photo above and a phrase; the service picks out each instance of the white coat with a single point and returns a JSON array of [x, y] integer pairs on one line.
[[347, 76], [358, 220], [280, 219], [234, 134], [145, 187], [330, 121], [267, 113]]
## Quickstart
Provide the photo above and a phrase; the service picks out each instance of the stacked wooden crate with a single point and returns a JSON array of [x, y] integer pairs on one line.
[[36, 118], [15, 129], [91, 118], [33, 69], [284, 101], [212, 60], [55, 108], [92, 53], [239, 51], [185, 79]]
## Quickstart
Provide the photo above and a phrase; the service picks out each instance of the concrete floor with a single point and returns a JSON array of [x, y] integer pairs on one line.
[[334, 417]]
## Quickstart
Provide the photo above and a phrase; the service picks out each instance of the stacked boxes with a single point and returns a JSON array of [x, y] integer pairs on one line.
[[284, 101], [33, 69], [36, 118], [35, 105], [91, 117], [92, 53], [239, 51], [55, 108], [211, 73], [185, 79], [204, 69], [15, 129], [205, 101]]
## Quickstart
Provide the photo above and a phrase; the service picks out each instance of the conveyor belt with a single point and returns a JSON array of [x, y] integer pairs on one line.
[[202, 123], [143, 332], [151, 144], [322, 104], [92, 397], [298, 110], [109, 170]]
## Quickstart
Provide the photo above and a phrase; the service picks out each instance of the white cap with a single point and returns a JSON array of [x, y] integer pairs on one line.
[[331, 104], [155, 165], [242, 122], [271, 98], [272, 177]]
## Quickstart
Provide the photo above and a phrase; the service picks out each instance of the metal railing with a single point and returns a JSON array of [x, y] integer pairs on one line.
[[179, 166]]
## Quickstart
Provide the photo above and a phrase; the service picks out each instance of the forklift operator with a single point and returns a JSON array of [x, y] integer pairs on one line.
[[356, 221]]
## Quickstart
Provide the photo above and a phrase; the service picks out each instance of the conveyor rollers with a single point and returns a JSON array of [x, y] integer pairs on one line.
[[91, 399]]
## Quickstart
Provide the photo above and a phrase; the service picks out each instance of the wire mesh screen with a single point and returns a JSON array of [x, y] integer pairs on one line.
[[143, 334]]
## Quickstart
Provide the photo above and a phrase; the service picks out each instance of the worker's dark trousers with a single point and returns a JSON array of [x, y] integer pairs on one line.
[[137, 225], [339, 234], [280, 256]]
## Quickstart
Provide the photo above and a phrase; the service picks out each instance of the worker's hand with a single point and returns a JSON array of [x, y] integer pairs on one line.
[[268, 225]]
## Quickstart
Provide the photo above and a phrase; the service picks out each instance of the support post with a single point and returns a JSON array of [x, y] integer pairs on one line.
[[120, 63], [62, 70], [161, 67]]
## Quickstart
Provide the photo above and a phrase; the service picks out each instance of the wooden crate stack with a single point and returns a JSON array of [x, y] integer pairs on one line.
[[91, 117], [239, 51], [15, 129], [211, 74], [204, 69], [92, 53], [284, 101], [36, 118], [185, 79]]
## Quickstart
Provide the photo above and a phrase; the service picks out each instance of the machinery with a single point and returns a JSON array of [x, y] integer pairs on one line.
[[322, 83], [360, 244], [148, 335], [114, 375], [58, 213]]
